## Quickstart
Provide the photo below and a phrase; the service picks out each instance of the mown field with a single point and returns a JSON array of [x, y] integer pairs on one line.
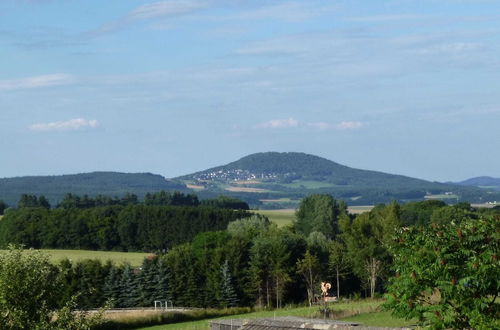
[[134, 258], [285, 217], [279, 217], [366, 312]]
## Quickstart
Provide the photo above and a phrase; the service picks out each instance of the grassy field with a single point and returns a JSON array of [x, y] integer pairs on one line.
[[365, 312], [285, 217], [280, 217], [441, 196], [359, 209], [309, 184], [134, 258], [379, 319]]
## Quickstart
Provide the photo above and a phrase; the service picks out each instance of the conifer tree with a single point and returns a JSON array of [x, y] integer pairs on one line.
[[228, 295], [161, 280], [147, 282], [128, 287], [112, 286]]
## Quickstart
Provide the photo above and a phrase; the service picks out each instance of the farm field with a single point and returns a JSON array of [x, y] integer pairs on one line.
[[285, 217], [309, 184], [134, 258], [441, 196], [279, 217], [364, 311]]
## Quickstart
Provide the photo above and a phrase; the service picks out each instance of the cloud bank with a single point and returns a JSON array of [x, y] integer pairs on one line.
[[279, 123], [69, 125], [293, 123], [36, 81]]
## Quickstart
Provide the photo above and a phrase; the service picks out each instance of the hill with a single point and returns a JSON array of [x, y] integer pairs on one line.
[[276, 179], [95, 183], [482, 181]]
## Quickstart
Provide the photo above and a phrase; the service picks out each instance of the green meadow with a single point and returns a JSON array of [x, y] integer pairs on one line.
[[133, 258], [279, 217]]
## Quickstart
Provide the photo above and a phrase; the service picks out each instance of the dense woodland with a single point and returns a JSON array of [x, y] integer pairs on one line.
[[208, 256], [162, 221]]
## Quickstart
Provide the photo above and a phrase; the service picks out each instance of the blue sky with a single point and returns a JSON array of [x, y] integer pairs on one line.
[[171, 87]]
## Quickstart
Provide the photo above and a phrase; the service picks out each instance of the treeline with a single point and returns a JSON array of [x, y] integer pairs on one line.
[[161, 198], [126, 228]]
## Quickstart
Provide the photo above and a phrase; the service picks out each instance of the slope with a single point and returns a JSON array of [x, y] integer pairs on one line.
[[95, 183], [280, 179]]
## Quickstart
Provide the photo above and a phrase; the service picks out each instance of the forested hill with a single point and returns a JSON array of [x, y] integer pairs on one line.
[[95, 183], [482, 181], [289, 166], [279, 179]]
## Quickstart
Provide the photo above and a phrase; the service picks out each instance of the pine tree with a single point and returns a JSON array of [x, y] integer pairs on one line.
[[147, 282], [112, 286], [128, 295], [228, 295], [161, 288]]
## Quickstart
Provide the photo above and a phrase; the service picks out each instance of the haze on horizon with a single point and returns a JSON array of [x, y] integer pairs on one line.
[[172, 87]]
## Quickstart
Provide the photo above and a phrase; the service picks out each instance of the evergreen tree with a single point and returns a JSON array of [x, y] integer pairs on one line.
[[147, 282], [161, 280], [228, 295], [128, 295], [112, 286], [3, 206]]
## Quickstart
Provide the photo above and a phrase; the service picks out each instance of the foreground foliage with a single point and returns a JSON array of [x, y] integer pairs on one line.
[[29, 294], [447, 276]]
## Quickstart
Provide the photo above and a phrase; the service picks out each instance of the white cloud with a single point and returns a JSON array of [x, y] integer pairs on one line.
[[343, 125], [349, 125], [279, 123], [36, 81], [155, 10], [320, 125], [386, 18], [451, 48], [165, 8], [69, 125], [290, 11]]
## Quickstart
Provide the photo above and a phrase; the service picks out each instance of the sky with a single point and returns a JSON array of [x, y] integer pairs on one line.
[[171, 87]]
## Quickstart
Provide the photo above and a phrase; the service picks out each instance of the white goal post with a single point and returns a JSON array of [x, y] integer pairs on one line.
[[163, 304]]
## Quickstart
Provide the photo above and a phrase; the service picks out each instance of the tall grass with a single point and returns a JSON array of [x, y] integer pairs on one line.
[[137, 318]]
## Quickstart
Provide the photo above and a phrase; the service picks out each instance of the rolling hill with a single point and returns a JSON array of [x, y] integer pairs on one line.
[[482, 181], [264, 180], [280, 179], [95, 183]]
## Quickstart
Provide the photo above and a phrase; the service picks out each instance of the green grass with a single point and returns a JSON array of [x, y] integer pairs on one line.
[[279, 217], [134, 258], [285, 217], [360, 209], [441, 196], [365, 311], [380, 319], [309, 184]]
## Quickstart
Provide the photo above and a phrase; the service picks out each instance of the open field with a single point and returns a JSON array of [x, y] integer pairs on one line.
[[360, 209], [279, 217], [194, 187], [367, 312], [134, 258], [285, 217], [441, 196], [276, 200], [246, 189], [309, 184], [247, 182], [379, 319], [485, 205]]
